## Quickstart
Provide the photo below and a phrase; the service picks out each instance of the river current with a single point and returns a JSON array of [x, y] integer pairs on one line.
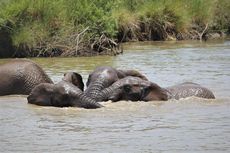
[[186, 125]]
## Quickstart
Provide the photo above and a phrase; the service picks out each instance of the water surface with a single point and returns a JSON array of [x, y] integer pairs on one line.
[[187, 125]]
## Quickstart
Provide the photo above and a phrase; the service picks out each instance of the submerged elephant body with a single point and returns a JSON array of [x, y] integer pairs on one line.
[[62, 94], [184, 90], [189, 89], [20, 76], [136, 89]]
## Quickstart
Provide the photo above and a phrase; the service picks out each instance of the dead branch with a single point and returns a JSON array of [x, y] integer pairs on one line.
[[77, 38]]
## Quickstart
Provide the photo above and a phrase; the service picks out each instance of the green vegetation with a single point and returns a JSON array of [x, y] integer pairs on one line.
[[92, 27]]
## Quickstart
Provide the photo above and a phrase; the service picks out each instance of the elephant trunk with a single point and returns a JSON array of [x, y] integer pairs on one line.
[[105, 94], [94, 89], [109, 92], [86, 102], [77, 97]]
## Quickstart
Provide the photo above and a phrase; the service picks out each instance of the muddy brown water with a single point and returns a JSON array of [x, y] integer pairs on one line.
[[187, 125]]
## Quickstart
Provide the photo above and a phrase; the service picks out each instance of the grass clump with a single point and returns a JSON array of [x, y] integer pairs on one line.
[[221, 17], [128, 24]]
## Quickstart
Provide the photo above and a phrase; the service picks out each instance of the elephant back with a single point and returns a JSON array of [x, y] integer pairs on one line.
[[21, 76], [32, 75], [189, 89]]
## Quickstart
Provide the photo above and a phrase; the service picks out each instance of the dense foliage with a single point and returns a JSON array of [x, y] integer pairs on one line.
[[89, 27]]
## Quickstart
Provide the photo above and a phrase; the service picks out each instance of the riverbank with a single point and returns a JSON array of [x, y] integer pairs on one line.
[[85, 28]]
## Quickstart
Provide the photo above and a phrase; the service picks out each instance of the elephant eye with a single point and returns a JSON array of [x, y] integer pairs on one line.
[[127, 88]]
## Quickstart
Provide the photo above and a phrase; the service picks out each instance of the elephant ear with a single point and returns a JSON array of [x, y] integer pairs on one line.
[[75, 79], [78, 81]]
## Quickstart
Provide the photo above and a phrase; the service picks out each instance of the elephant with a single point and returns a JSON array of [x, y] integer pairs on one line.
[[136, 89], [20, 76], [188, 89], [62, 94], [131, 88], [183, 90], [104, 76]]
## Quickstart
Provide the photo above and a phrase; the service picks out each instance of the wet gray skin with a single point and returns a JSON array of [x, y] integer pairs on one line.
[[102, 77], [62, 94], [136, 89], [20, 76]]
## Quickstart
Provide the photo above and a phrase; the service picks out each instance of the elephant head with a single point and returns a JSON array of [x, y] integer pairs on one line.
[[46, 94], [62, 94], [134, 89], [100, 78], [124, 73], [75, 79], [154, 92]]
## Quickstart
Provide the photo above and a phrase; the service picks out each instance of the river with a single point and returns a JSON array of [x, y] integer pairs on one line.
[[187, 125]]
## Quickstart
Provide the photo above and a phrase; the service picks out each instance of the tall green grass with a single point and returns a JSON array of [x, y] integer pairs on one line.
[[69, 26], [163, 19]]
